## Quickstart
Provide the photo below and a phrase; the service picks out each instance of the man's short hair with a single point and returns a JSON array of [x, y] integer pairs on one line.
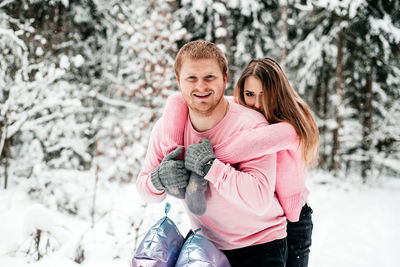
[[200, 49]]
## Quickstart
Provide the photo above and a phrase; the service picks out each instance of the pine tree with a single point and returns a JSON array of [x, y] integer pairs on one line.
[[46, 111], [374, 49], [13, 73], [311, 67], [342, 53], [135, 65]]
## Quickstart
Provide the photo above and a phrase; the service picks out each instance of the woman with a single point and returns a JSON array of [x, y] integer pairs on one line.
[[293, 133], [264, 86]]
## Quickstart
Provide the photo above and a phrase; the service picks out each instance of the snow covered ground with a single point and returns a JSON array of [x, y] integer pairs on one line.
[[354, 225]]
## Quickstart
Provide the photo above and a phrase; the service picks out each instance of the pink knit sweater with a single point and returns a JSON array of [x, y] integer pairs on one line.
[[280, 138], [242, 208]]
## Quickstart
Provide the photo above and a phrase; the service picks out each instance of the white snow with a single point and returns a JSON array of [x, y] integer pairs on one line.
[[39, 51], [386, 26], [64, 62], [221, 32], [219, 8], [78, 60], [355, 225]]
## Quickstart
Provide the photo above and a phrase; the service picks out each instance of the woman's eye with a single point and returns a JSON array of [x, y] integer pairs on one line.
[[249, 94]]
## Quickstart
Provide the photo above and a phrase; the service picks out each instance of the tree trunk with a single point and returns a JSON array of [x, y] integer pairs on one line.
[[96, 180], [7, 150], [231, 47], [322, 110], [284, 29], [339, 105], [4, 149], [37, 243], [367, 128]]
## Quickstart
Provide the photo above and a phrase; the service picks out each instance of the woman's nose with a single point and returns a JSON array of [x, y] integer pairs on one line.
[[258, 103]]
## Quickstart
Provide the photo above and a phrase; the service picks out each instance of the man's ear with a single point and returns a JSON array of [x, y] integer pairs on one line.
[[179, 83], [225, 79]]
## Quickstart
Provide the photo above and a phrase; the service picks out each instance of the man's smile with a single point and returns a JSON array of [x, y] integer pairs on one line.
[[202, 95]]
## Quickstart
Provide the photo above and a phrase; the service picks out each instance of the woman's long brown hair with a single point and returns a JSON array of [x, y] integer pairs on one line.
[[281, 103]]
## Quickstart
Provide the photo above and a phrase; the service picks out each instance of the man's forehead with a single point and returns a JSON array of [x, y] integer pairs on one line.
[[190, 60], [203, 66]]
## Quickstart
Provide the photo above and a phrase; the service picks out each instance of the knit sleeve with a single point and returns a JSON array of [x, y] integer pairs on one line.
[[173, 123], [253, 143], [291, 183], [251, 185], [153, 158]]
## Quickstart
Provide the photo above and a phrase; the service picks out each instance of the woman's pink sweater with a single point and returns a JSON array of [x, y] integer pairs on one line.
[[280, 138]]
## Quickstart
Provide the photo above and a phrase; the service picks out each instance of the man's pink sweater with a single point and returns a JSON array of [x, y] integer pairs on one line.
[[280, 138], [242, 208]]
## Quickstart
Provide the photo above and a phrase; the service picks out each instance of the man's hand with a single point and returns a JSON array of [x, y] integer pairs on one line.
[[171, 175], [199, 157]]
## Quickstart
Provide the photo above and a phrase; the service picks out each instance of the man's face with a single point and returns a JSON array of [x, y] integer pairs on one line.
[[202, 84]]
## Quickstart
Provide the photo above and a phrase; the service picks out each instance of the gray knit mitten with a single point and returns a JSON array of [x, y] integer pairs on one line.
[[199, 157], [196, 194], [171, 175]]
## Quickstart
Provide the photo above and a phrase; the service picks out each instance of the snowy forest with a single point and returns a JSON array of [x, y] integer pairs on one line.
[[83, 81]]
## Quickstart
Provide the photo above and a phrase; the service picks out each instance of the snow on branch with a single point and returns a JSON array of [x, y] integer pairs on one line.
[[23, 124], [119, 103], [6, 2], [12, 36]]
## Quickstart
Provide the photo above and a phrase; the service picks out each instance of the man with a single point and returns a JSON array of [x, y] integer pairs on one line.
[[243, 218]]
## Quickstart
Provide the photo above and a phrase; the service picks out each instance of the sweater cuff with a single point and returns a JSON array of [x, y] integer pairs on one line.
[[216, 169], [292, 206]]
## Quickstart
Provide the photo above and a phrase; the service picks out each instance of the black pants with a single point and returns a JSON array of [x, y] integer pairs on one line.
[[271, 254], [299, 239]]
